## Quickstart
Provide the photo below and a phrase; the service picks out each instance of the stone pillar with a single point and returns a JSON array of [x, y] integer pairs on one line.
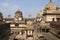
[[24, 32], [20, 33], [45, 30], [41, 30], [28, 31], [31, 32]]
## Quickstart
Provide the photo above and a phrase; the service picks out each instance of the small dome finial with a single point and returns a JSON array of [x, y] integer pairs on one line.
[[18, 9]]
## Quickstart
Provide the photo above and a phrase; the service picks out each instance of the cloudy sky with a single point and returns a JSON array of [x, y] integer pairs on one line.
[[26, 6]]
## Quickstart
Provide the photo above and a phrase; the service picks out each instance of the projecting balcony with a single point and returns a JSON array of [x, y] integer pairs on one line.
[[55, 24]]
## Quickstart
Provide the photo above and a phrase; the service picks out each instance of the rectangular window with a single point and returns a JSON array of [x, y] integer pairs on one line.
[[52, 19], [58, 19], [12, 25], [16, 24]]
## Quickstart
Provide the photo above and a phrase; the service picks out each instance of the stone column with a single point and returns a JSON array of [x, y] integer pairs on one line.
[[28, 32]]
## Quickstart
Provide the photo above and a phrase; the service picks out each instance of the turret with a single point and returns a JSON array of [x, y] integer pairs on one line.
[[1, 17]]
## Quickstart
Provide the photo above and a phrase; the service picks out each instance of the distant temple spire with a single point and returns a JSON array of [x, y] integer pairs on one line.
[[50, 0], [9, 15], [29, 15]]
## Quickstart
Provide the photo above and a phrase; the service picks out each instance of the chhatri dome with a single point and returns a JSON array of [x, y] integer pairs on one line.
[[40, 14], [18, 12], [51, 7]]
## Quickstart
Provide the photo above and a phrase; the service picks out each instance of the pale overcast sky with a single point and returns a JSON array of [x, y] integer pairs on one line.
[[26, 6]]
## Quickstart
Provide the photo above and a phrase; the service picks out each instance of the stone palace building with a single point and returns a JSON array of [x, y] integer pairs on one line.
[[25, 28]]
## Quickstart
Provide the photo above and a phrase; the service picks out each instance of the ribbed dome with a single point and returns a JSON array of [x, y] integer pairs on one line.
[[51, 6], [18, 11], [40, 14]]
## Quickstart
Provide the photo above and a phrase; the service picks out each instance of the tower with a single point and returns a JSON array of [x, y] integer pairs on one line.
[[51, 12], [39, 16], [18, 16], [50, 0]]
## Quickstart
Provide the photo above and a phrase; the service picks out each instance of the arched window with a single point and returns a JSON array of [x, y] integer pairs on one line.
[[15, 39], [52, 19], [47, 8]]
